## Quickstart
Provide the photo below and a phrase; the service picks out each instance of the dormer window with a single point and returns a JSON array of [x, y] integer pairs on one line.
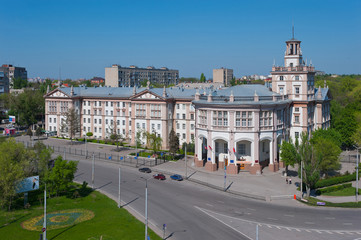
[[281, 78]]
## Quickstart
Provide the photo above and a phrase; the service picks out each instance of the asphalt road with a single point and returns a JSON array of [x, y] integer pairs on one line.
[[191, 211]]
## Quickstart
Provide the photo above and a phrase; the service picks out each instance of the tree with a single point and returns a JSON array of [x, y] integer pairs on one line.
[[19, 83], [233, 81], [329, 153], [89, 134], [173, 142], [330, 134], [155, 142], [202, 78], [61, 175], [117, 138], [138, 136], [70, 123], [29, 132], [311, 163], [39, 132], [288, 154], [41, 161], [14, 165]]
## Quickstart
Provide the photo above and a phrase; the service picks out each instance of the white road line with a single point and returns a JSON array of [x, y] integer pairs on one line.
[[220, 201], [348, 224], [288, 229], [309, 230], [318, 231], [330, 218], [252, 209], [224, 223], [298, 230], [209, 204]]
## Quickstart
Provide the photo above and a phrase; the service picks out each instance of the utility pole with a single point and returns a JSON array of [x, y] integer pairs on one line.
[[119, 189], [257, 232], [44, 224], [301, 179], [186, 161], [86, 148], [93, 172], [146, 209], [357, 163], [225, 178]]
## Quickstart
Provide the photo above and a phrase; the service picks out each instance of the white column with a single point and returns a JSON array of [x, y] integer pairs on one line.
[[213, 152], [271, 157]]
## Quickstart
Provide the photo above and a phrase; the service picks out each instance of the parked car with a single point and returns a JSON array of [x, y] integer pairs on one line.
[[176, 177], [145, 170], [159, 176]]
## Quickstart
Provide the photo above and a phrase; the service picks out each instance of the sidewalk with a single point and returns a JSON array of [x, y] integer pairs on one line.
[[270, 186]]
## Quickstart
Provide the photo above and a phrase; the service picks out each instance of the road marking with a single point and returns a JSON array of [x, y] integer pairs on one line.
[[288, 229], [309, 222], [288, 215], [220, 201], [309, 230], [252, 209], [347, 224], [318, 231], [224, 223], [209, 204], [330, 218]]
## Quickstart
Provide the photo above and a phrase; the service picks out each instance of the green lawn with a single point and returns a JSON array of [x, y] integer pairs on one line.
[[350, 191], [313, 202], [109, 222]]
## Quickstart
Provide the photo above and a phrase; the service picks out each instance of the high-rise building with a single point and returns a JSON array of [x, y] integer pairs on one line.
[[223, 75], [7, 75], [117, 76]]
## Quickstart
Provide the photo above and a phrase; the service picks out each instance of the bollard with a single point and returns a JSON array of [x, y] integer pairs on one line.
[[294, 197]]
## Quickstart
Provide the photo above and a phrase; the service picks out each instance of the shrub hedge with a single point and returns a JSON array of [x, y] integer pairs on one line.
[[333, 188], [335, 180]]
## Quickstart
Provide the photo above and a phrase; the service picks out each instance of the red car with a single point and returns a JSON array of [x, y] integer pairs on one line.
[[159, 176]]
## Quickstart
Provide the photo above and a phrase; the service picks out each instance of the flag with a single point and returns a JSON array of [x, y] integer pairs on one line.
[[210, 147], [205, 147], [234, 150]]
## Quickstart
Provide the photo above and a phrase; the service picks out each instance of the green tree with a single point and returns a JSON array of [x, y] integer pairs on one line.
[[328, 152], [14, 165], [19, 83], [138, 140], [311, 163], [233, 82], [61, 175], [155, 142], [173, 142], [117, 139], [70, 123], [41, 162], [330, 133], [39, 132], [29, 132], [288, 154], [202, 78], [89, 134]]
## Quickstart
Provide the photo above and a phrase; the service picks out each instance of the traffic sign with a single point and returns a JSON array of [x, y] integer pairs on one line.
[[43, 229]]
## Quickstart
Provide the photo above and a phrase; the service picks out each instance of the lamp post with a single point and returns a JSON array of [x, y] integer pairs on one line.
[[146, 207], [86, 148], [357, 163], [185, 158]]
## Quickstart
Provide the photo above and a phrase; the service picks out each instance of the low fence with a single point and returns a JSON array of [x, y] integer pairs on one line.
[[103, 156]]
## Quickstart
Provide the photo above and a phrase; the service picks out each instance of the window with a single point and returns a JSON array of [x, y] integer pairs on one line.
[[88, 103], [140, 110], [95, 103], [220, 118], [192, 126], [54, 120], [241, 149], [297, 119], [244, 119], [124, 131], [100, 121], [50, 120], [143, 125], [95, 121], [265, 118], [88, 129], [281, 78], [88, 120], [111, 104], [100, 104], [100, 130], [192, 116], [183, 126], [178, 135], [297, 78], [158, 126], [297, 90], [95, 129], [95, 112], [153, 126], [192, 136], [177, 106], [297, 134], [54, 128], [203, 117], [177, 125], [281, 90], [106, 121], [50, 128], [123, 104], [155, 110], [84, 111], [297, 109], [177, 115], [123, 122], [111, 113], [88, 112], [184, 116], [184, 136], [84, 120], [183, 106], [84, 103], [106, 112], [111, 122], [118, 122], [118, 104], [106, 104], [138, 125]]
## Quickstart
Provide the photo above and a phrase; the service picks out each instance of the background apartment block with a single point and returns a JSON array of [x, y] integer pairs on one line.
[[222, 75], [117, 76]]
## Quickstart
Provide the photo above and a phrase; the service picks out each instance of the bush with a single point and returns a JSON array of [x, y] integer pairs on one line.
[[335, 180], [333, 188]]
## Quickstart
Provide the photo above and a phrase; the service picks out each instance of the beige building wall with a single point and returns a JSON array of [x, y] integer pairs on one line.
[[111, 76], [222, 75]]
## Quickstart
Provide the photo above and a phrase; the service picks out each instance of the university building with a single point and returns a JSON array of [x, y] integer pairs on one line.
[[240, 126]]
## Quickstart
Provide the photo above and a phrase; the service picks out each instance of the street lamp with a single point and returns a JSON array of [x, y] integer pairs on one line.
[[86, 148], [146, 207]]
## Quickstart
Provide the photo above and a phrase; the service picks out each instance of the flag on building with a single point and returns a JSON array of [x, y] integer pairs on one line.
[[210, 147], [234, 150]]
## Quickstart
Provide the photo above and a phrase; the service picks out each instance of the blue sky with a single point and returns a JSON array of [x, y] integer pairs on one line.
[[83, 37]]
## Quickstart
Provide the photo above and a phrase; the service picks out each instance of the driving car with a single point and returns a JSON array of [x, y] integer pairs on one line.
[[176, 177], [145, 170], [159, 176]]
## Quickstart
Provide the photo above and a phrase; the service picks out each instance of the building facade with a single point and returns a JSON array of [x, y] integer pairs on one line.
[[235, 127], [223, 75], [117, 76]]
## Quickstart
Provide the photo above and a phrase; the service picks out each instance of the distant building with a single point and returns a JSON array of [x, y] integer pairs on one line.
[[97, 80], [7, 75], [223, 75], [117, 76]]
